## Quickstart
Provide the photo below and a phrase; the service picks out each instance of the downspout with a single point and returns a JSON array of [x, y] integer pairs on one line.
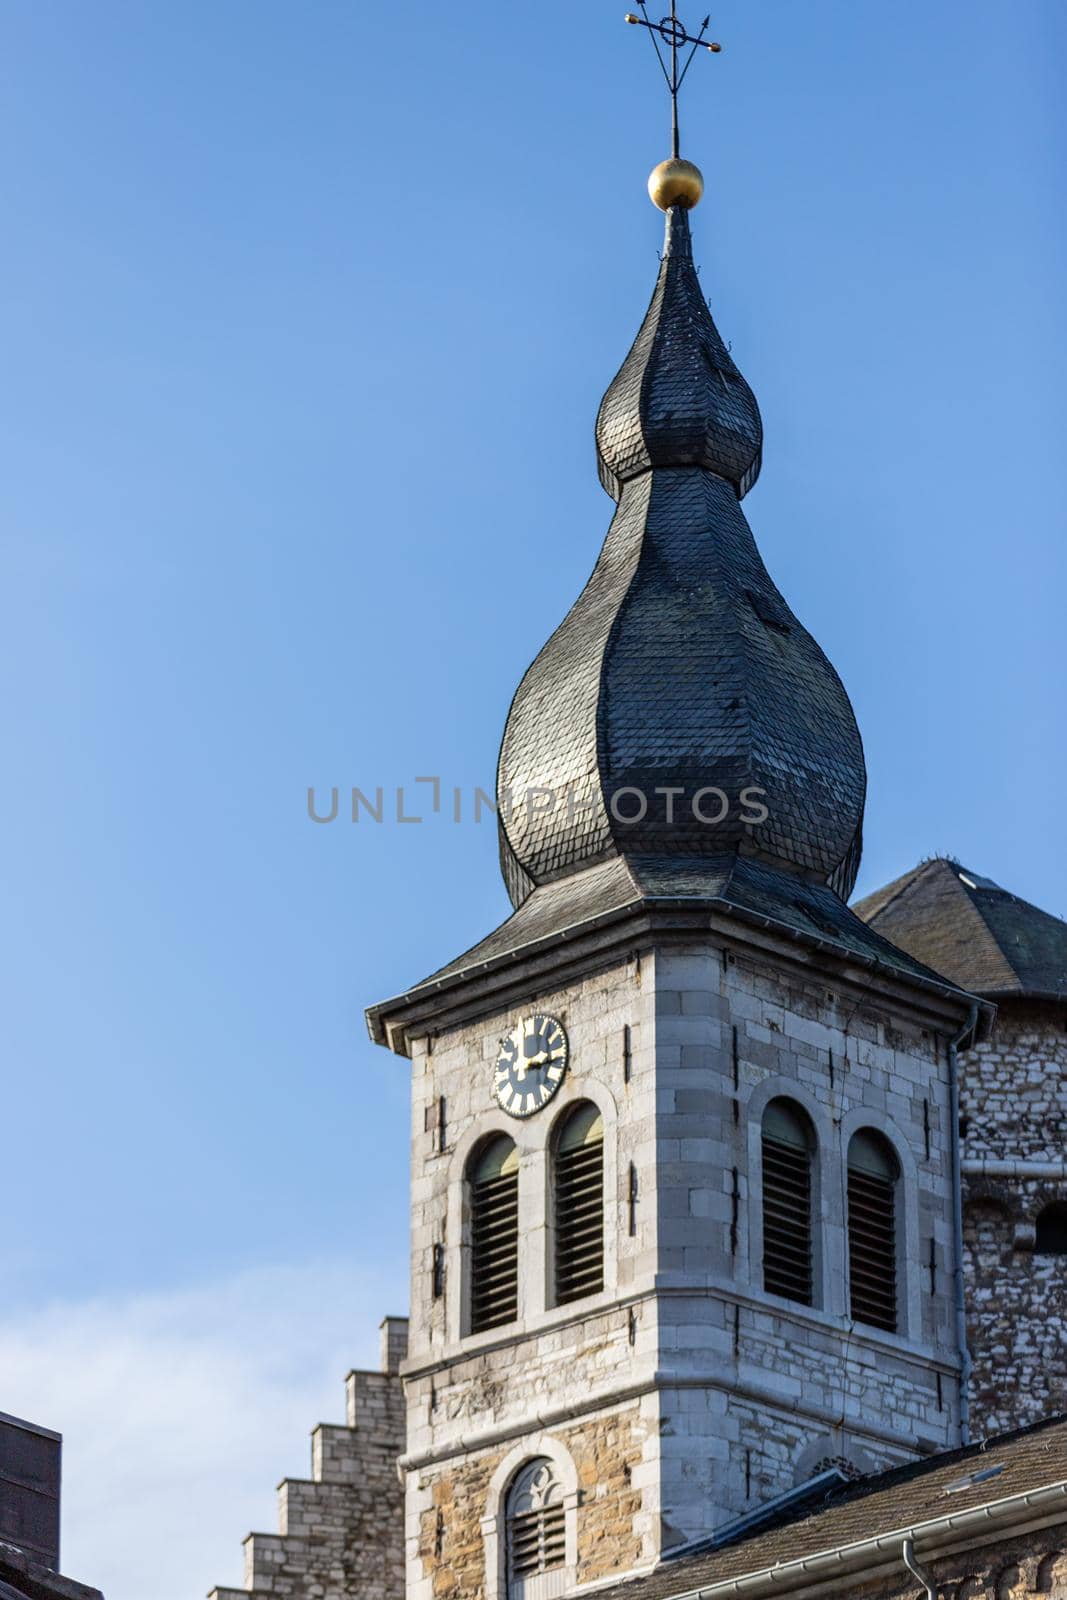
[[957, 1227], [907, 1555]]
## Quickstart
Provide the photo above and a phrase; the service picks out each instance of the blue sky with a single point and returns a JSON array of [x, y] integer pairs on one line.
[[306, 311]]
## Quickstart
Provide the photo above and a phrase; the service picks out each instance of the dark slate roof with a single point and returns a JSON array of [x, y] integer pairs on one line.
[[967, 927], [680, 665], [678, 400], [22, 1578], [1033, 1458], [735, 885]]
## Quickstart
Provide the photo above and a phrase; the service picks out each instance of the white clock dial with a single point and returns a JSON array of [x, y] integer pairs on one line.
[[531, 1065]]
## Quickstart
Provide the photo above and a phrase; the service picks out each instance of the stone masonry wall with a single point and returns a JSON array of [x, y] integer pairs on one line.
[[341, 1532], [771, 1386], [738, 1392], [1016, 1569], [558, 1370], [1013, 1088], [605, 1450], [1013, 1103]]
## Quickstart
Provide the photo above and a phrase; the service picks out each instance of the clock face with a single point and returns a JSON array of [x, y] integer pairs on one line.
[[531, 1065]]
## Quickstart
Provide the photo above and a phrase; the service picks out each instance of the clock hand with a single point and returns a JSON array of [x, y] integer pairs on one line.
[[539, 1060]]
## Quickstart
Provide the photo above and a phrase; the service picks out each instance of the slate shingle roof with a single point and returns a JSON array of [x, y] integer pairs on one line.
[[678, 399], [739, 885], [1033, 1458], [680, 666], [967, 927], [22, 1578]]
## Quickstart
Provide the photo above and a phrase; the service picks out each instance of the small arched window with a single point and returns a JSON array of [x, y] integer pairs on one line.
[[1051, 1231], [873, 1174], [536, 1532], [578, 1197], [788, 1147], [493, 1187]]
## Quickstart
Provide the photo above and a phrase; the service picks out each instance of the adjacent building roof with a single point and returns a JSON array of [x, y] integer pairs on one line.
[[965, 926], [30, 1463], [30, 1469], [22, 1578], [992, 1486]]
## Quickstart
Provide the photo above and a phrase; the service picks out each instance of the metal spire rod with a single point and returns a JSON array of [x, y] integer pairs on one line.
[[676, 38]]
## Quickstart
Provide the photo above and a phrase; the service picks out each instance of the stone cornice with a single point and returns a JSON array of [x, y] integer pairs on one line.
[[463, 996], [612, 1396]]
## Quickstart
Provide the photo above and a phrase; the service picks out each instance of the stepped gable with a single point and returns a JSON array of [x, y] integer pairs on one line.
[[341, 1531]]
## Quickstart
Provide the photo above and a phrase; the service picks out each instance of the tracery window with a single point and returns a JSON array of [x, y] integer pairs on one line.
[[788, 1149], [536, 1533], [578, 1196], [873, 1179], [493, 1195]]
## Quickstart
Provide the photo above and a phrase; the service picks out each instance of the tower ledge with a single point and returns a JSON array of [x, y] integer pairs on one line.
[[616, 907]]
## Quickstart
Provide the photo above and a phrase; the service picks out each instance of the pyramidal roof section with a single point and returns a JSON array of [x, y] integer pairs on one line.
[[971, 930]]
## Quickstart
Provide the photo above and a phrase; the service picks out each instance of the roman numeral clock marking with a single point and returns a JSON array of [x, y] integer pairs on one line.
[[531, 1065]]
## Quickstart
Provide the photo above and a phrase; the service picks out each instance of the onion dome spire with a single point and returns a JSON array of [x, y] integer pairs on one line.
[[680, 715], [678, 400]]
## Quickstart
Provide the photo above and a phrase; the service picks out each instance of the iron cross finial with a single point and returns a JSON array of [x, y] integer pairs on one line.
[[676, 38]]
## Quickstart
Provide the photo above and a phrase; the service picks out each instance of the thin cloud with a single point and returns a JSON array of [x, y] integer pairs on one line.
[[180, 1411]]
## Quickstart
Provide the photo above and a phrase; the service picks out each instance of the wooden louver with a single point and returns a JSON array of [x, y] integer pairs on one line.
[[494, 1208], [787, 1263], [536, 1542], [579, 1207], [872, 1235]]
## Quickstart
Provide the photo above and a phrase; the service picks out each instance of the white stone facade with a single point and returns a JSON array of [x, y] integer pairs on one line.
[[726, 1394]]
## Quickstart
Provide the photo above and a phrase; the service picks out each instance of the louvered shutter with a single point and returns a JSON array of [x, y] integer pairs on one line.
[[872, 1231], [536, 1533], [787, 1158], [579, 1206], [494, 1217]]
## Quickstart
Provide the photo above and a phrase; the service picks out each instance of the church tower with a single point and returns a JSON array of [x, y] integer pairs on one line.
[[684, 1203]]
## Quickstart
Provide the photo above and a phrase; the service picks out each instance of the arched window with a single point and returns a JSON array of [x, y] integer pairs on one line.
[[579, 1205], [788, 1146], [493, 1187], [536, 1535], [1051, 1232], [873, 1174]]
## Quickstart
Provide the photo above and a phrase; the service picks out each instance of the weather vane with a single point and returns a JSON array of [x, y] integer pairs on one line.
[[679, 181], [676, 38]]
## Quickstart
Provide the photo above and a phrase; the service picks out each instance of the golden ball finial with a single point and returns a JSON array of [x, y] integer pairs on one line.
[[675, 183]]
